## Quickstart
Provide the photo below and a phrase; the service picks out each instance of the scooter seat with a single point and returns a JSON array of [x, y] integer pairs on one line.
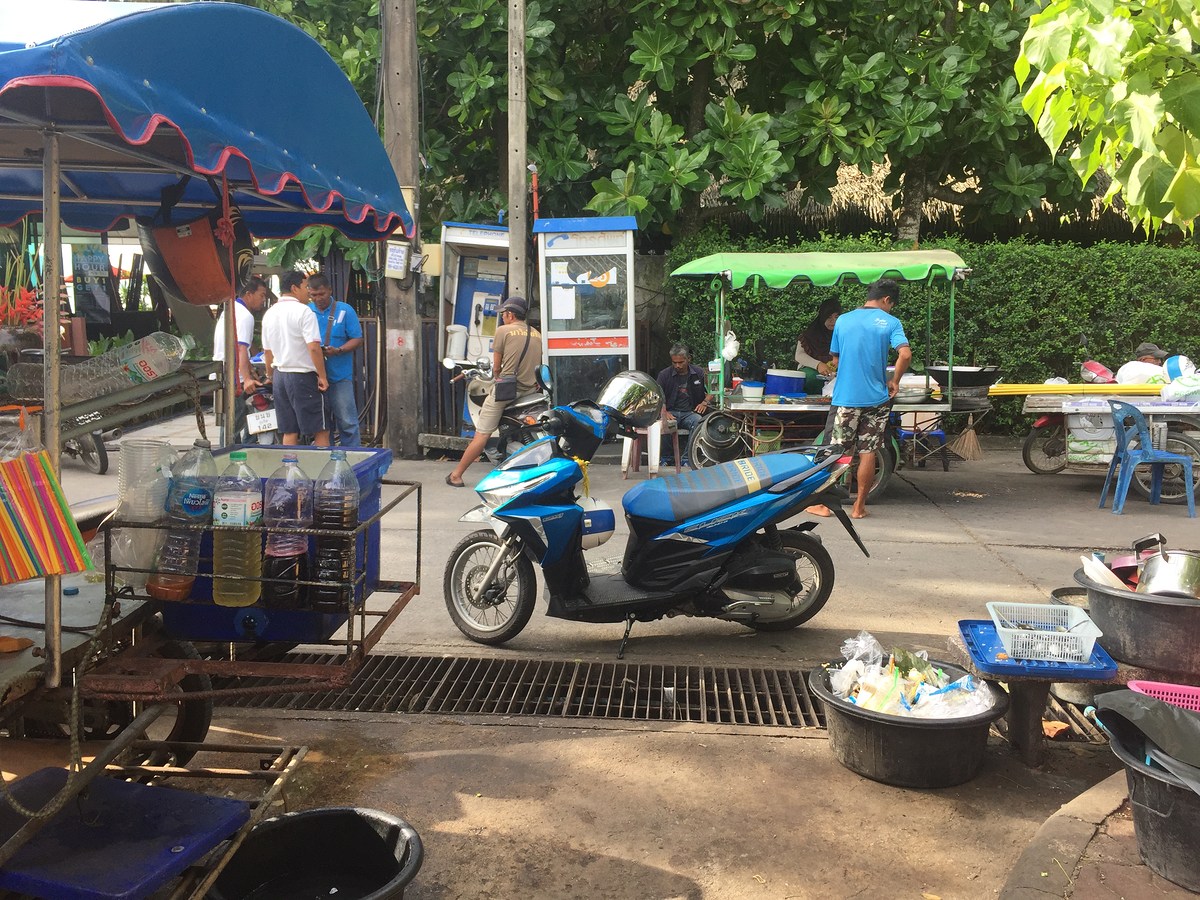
[[679, 497], [527, 400]]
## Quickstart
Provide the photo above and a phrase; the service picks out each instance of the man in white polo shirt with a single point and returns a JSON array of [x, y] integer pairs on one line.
[[295, 363]]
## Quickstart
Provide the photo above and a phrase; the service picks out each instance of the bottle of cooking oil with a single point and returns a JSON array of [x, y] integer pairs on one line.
[[237, 550]]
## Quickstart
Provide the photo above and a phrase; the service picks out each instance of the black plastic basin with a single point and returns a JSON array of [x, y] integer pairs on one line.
[[346, 853], [1166, 818], [915, 753], [1149, 630]]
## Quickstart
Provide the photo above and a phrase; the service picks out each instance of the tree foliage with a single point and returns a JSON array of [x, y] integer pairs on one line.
[[1119, 85], [641, 108]]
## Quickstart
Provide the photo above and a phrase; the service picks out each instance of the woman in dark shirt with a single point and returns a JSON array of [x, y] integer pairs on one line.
[[812, 349]]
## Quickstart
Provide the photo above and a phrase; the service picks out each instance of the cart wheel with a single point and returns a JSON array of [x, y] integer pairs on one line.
[[1173, 489], [93, 453], [188, 721], [1045, 450]]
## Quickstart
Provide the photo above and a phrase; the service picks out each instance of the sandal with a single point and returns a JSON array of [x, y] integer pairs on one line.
[[454, 483]]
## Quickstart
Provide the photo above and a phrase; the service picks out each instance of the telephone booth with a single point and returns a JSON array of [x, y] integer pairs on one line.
[[585, 269], [474, 280]]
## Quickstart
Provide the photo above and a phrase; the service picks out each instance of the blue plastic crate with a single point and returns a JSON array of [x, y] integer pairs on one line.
[[202, 620], [983, 643]]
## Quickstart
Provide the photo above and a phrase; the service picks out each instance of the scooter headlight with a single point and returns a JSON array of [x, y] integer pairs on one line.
[[503, 486]]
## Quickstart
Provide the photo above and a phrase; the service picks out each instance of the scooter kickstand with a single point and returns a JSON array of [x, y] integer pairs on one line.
[[629, 620]]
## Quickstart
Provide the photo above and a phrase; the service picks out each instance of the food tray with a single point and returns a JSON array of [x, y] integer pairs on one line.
[[983, 644], [1182, 695], [1052, 632]]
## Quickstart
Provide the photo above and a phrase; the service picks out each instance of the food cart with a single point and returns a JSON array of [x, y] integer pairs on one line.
[[738, 427], [110, 111], [1073, 430]]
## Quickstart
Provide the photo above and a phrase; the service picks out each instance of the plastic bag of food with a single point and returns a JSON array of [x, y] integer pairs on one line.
[[863, 647], [842, 681]]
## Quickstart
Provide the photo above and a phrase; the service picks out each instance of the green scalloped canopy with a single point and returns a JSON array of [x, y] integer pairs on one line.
[[825, 269]]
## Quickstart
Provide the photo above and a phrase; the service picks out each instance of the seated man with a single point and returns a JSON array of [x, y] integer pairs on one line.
[[684, 390]]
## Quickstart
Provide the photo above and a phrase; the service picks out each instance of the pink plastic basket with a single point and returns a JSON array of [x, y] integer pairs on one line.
[[1181, 695]]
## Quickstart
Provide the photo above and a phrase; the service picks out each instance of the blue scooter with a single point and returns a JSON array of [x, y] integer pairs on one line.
[[705, 543]]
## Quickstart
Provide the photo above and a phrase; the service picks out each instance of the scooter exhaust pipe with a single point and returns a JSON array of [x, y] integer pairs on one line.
[[113, 435]]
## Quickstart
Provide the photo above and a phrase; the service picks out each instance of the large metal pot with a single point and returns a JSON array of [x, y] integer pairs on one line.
[[1151, 630]]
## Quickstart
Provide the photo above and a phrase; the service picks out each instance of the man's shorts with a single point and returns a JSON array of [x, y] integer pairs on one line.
[[860, 425], [490, 415], [299, 405]]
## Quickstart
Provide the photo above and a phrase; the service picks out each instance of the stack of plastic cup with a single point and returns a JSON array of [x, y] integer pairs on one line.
[[144, 476]]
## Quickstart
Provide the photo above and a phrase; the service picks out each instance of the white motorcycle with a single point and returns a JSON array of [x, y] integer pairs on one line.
[[520, 424]]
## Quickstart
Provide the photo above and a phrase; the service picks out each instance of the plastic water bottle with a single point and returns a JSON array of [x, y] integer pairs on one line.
[[335, 508], [237, 552], [287, 503], [189, 502], [144, 360]]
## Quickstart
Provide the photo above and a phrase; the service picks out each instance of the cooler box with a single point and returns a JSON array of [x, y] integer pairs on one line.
[[202, 620], [784, 381]]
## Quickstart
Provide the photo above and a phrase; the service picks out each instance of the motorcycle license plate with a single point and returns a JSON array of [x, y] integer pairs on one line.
[[258, 422]]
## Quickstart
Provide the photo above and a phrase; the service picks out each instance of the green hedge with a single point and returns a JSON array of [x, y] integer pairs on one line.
[[1036, 310]]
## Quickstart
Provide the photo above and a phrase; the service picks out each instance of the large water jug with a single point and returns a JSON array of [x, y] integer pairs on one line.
[[237, 550], [287, 504], [335, 508], [144, 360], [189, 503]]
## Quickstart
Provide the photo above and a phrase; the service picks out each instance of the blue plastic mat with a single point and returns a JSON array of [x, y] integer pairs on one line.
[[982, 642]]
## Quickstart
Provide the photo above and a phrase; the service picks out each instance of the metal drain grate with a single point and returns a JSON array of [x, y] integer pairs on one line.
[[713, 695]]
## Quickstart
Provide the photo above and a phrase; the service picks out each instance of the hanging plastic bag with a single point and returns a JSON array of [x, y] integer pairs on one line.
[[732, 347]]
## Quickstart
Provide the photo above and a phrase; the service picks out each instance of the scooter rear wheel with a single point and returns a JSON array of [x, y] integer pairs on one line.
[[814, 568], [1045, 450], [505, 609]]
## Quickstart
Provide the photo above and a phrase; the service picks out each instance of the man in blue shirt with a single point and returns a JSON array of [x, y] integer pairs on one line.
[[341, 335], [862, 394]]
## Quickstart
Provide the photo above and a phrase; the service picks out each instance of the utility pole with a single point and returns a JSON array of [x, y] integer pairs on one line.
[[402, 331], [516, 148]]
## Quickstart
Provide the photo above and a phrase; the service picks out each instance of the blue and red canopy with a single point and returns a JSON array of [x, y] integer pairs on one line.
[[151, 97]]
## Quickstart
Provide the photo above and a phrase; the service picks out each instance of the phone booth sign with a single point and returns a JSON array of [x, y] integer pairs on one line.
[[585, 269]]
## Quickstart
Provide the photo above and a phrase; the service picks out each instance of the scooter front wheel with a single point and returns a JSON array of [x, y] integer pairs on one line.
[[814, 570], [505, 607]]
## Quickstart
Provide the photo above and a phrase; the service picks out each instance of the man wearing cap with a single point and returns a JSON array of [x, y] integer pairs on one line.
[[1145, 367], [516, 351]]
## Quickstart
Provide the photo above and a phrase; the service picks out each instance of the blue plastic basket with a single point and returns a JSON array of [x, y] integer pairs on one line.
[[984, 645]]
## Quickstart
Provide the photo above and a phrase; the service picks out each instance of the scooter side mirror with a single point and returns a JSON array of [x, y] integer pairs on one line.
[[448, 363], [542, 374]]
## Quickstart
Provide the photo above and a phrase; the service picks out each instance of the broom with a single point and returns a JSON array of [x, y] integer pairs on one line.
[[966, 445]]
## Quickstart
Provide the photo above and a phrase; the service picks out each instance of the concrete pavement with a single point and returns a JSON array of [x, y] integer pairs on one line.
[[579, 809]]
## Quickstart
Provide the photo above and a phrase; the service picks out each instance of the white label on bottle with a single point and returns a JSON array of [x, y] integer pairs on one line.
[[237, 509]]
